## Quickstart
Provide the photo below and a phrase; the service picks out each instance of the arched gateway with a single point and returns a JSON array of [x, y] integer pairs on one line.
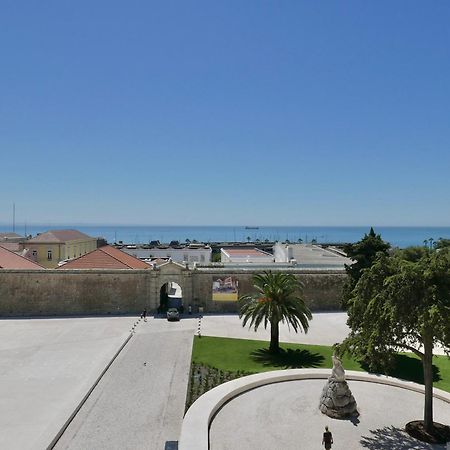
[[173, 287], [170, 296]]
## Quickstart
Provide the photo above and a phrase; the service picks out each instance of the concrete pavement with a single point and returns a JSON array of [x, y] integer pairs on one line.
[[46, 368], [48, 365], [139, 403], [286, 416], [325, 329]]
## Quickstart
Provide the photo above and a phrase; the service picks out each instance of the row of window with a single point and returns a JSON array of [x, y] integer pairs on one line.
[[50, 254]]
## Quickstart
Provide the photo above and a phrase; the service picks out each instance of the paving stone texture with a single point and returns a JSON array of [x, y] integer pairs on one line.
[[286, 416]]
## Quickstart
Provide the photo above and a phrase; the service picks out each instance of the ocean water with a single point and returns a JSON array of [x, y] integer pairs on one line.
[[397, 236]]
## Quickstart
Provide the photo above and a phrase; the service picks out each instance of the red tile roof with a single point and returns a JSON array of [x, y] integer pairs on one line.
[[11, 246], [59, 236], [9, 260], [106, 258]]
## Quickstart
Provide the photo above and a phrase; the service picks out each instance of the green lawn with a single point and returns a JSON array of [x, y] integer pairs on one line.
[[251, 356]]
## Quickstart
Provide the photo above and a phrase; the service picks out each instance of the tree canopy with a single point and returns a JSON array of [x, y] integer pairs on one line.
[[363, 254], [401, 302]]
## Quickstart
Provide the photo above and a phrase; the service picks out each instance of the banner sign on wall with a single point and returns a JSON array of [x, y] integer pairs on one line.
[[225, 289]]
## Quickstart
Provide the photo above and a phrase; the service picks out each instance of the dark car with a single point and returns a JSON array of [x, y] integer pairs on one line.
[[173, 314]]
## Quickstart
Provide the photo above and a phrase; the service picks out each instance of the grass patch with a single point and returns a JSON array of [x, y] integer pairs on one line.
[[249, 356]]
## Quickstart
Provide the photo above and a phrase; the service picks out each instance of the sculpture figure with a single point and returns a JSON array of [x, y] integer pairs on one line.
[[338, 372], [337, 400]]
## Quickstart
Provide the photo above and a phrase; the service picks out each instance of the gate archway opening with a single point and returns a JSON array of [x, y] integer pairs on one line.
[[170, 296]]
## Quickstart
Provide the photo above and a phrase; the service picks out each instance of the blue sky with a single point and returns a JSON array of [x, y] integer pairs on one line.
[[231, 112]]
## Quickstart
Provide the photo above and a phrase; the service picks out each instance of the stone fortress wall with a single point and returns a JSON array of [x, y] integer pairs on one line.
[[84, 292]]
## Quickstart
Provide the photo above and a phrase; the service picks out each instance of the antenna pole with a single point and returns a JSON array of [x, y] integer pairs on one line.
[[14, 217]]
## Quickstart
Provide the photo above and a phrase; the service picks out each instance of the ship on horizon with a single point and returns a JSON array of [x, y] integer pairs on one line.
[[252, 228]]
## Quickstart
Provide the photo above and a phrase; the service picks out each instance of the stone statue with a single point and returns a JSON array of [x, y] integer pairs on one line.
[[337, 372], [337, 400]]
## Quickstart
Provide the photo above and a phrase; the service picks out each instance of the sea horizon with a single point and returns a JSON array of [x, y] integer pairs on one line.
[[398, 236]]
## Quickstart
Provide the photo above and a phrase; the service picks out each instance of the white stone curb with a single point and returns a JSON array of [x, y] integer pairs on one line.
[[195, 427]]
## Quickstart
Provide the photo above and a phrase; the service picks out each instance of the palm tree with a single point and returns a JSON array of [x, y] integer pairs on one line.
[[278, 299]]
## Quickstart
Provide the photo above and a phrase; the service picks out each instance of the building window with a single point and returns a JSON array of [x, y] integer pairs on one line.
[[49, 255]]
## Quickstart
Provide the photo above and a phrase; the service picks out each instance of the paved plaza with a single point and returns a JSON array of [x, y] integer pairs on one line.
[[139, 403], [48, 365], [286, 416], [325, 329], [46, 368]]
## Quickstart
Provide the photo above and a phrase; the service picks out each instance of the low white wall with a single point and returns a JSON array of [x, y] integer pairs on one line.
[[195, 428]]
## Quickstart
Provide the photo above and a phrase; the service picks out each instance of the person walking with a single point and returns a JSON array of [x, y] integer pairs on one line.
[[144, 315], [327, 439]]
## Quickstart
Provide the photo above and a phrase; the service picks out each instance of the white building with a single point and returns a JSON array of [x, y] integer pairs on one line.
[[183, 254], [245, 255], [309, 255]]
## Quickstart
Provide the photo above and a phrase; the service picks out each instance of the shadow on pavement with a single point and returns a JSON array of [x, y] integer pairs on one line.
[[288, 359], [392, 438]]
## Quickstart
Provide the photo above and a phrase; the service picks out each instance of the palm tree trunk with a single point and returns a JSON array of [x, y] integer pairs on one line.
[[274, 337], [428, 381]]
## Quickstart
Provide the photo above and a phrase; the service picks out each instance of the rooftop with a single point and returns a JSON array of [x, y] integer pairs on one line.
[[10, 260], [106, 258], [11, 246], [244, 252], [8, 235], [59, 236], [314, 255]]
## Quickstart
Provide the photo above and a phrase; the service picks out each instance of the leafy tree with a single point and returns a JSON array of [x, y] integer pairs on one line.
[[216, 257], [442, 243], [363, 253], [278, 299], [402, 302]]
